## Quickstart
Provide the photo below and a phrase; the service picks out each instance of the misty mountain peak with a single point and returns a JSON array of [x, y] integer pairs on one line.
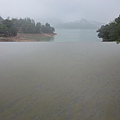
[[80, 24], [83, 20]]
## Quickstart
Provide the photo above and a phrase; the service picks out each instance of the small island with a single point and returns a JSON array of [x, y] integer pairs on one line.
[[110, 32], [12, 30]]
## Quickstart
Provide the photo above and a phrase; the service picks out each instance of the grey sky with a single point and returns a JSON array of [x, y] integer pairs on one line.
[[66, 10]]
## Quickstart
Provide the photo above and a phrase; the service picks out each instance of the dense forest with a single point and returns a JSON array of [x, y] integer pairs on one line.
[[11, 27], [110, 32]]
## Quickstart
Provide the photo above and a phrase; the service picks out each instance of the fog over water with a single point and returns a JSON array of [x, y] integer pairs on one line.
[[69, 10]]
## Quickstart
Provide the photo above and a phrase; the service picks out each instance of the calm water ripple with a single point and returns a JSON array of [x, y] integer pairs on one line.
[[59, 81]]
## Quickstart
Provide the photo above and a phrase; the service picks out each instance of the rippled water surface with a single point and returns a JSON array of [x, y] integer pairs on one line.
[[59, 81]]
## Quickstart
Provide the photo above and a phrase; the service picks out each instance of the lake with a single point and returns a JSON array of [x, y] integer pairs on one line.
[[59, 81], [70, 35], [76, 35]]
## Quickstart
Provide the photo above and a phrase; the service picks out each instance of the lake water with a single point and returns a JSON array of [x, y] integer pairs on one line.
[[70, 35], [59, 81], [73, 35]]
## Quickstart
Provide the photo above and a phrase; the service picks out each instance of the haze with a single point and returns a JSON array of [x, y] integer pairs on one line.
[[65, 10]]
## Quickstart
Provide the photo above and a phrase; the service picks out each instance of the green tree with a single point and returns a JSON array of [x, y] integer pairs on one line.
[[7, 28], [47, 28], [38, 28], [28, 25], [3, 29], [111, 31]]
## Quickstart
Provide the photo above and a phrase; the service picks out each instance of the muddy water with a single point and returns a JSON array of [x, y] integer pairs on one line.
[[59, 81]]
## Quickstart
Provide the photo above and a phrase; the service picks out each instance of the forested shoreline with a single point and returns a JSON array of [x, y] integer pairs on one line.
[[10, 27], [110, 32]]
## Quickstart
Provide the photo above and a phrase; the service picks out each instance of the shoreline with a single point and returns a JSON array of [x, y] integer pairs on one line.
[[24, 37]]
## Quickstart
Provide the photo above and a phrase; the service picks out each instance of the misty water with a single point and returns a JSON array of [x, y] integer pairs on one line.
[[70, 35], [59, 81], [76, 35]]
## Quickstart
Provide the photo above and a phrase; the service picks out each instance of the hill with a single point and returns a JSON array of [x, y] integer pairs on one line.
[[80, 24]]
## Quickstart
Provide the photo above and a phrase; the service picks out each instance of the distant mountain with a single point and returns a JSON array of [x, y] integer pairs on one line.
[[80, 24], [98, 24], [52, 21], [1, 19]]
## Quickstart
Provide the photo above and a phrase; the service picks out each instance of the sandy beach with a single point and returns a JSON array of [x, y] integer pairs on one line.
[[21, 37]]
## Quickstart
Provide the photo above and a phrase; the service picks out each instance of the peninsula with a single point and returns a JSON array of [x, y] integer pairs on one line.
[[14, 29]]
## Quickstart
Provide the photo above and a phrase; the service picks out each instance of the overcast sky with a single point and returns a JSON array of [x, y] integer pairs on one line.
[[66, 10]]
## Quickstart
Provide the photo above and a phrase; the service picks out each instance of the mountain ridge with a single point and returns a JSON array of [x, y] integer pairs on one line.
[[80, 24]]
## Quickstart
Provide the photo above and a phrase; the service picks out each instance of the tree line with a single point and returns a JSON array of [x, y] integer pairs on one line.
[[11, 27], [110, 32], [7, 28]]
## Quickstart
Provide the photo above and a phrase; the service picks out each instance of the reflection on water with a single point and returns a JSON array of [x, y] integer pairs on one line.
[[46, 39], [59, 81], [41, 38], [66, 35]]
